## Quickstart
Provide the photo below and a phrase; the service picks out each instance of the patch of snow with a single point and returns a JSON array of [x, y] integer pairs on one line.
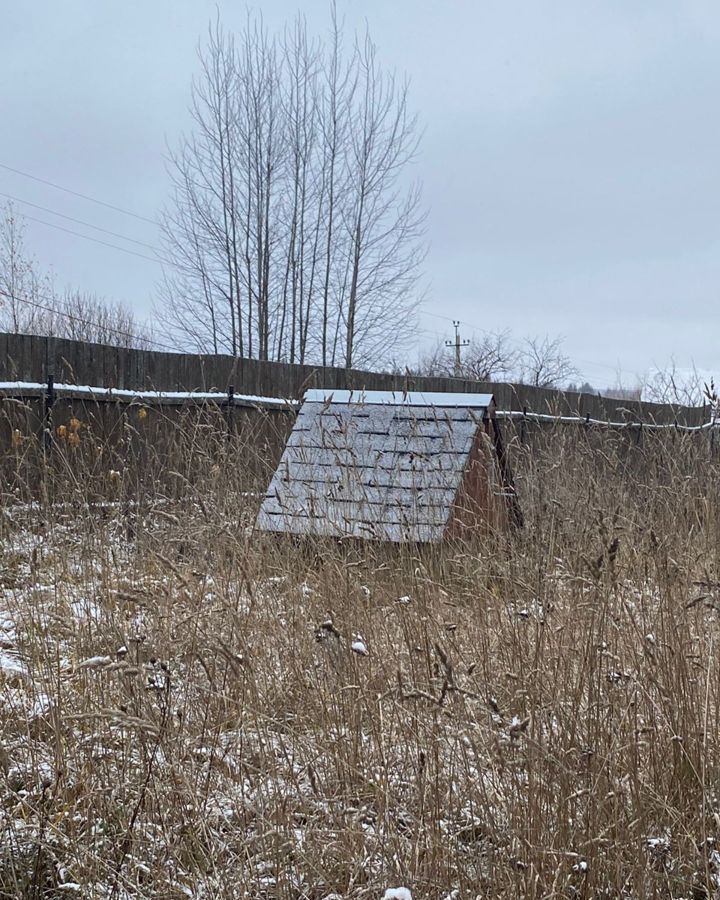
[[41, 707], [659, 844], [95, 662], [535, 610], [8, 634], [398, 893], [84, 609], [358, 646], [11, 665]]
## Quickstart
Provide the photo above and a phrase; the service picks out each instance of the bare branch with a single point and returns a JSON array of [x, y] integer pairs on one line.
[[293, 228]]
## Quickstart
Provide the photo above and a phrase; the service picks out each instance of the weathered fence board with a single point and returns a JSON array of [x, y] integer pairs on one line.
[[33, 358]]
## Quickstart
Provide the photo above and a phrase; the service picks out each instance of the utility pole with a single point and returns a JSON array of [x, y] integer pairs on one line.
[[457, 344]]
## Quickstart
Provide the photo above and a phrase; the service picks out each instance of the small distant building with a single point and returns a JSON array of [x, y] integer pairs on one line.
[[391, 466]]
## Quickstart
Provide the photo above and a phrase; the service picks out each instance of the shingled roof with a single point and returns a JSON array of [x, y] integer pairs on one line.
[[374, 464]]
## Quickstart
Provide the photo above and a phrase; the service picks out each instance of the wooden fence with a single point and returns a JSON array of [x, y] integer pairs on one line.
[[30, 358]]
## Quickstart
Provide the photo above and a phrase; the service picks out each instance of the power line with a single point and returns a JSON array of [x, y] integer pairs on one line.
[[160, 260], [59, 187], [68, 315], [54, 212], [98, 241]]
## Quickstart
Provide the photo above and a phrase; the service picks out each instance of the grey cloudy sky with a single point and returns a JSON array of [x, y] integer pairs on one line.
[[571, 157]]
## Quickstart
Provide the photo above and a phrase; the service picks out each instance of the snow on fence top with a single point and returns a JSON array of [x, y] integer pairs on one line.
[[37, 389], [375, 464], [32, 389]]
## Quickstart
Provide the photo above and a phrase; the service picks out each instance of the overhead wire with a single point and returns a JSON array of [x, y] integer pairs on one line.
[[87, 197], [87, 237], [54, 212], [156, 259], [159, 259]]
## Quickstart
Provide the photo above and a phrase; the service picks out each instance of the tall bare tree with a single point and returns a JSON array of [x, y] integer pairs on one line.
[[294, 229]]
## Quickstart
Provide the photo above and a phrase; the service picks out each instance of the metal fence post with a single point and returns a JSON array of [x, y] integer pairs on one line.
[[47, 417], [230, 405]]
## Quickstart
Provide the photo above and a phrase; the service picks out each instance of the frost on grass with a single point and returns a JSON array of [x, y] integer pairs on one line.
[[187, 716]]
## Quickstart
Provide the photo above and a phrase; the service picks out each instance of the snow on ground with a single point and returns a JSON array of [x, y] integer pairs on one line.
[[184, 726], [118, 663]]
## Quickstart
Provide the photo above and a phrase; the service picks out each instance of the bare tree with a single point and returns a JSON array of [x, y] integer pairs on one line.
[[201, 232], [22, 285], [382, 222], [675, 386], [80, 316], [543, 363], [29, 303], [490, 357], [293, 229]]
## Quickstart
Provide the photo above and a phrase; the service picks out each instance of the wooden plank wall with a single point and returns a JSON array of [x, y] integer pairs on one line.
[[33, 358]]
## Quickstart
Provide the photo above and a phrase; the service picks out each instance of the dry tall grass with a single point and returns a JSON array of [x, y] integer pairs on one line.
[[183, 713]]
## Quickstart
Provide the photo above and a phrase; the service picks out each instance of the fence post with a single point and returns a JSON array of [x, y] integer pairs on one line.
[[522, 425], [47, 417], [230, 407]]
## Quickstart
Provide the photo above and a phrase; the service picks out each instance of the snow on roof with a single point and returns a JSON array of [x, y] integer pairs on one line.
[[381, 470], [406, 398]]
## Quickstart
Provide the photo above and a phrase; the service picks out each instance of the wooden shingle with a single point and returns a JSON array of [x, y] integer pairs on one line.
[[375, 465]]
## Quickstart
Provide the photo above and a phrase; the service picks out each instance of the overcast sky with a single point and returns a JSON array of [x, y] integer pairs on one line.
[[571, 155]]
